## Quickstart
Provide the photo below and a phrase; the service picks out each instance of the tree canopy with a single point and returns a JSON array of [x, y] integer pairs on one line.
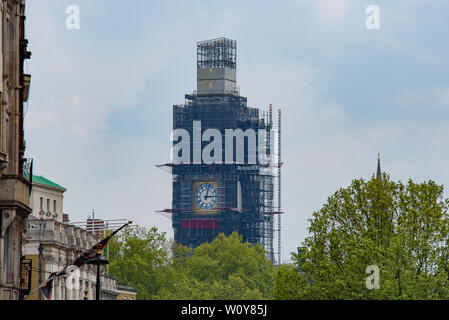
[[400, 228], [225, 269], [137, 257]]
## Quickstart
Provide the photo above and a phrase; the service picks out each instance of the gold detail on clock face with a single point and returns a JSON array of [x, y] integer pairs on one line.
[[205, 197]]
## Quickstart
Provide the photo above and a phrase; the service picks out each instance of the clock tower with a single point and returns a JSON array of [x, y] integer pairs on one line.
[[226, 187]]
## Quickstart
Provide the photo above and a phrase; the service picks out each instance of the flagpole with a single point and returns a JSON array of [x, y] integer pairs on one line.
[[40, 249], [42, 285], [107, 250]]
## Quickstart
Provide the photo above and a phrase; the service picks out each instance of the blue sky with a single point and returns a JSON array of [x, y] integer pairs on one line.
[[99, 114]]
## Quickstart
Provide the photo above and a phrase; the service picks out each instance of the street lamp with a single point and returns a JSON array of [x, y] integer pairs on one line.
[[98, 260]]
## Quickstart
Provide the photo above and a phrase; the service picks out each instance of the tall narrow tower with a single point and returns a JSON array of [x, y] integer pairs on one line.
[[216, 187], [379, 171]]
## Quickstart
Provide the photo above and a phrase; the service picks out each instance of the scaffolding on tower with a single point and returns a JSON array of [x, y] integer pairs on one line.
[[254, 228], [246, 191]]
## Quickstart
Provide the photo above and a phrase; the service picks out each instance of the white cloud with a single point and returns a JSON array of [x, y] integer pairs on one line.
[[434, 98], [332, 11]]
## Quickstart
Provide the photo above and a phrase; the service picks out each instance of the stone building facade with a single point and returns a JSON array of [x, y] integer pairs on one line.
[[46, 199], [14, 188], [126, 293], [52, 244]]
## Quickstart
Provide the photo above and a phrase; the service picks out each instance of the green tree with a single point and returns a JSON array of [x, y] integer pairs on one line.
[[402, 229], [287, 283], [224, 269], [137, 258]]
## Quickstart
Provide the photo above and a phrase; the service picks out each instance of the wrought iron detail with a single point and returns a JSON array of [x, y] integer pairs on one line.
[[28, 169]]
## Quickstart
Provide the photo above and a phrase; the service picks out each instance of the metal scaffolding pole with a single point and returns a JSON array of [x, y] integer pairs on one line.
[[279, 186], [271, 182]]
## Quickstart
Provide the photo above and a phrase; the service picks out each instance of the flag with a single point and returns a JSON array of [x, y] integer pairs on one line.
[[46, 290], [47, 286], [92, 252]]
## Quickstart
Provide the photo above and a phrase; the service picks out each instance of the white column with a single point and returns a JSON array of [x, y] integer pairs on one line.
[[91, 291], [77, 286], [57, 286], [54, 294], [62, 286], [69, 287]]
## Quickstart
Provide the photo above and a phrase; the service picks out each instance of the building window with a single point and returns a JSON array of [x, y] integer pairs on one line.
[[42, 203], [54, 206], [48, 205]]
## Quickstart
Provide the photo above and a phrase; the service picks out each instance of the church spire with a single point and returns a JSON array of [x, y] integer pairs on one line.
[[379, 172]]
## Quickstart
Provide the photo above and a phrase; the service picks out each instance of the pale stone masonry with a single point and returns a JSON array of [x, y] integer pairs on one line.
[[47, 199], [61, 245], [14, 188]]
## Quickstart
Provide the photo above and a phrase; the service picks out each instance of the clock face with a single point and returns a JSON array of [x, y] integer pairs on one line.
[[205, 196]]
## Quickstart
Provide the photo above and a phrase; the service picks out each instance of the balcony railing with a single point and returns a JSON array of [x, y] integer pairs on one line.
[[28, 170]]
